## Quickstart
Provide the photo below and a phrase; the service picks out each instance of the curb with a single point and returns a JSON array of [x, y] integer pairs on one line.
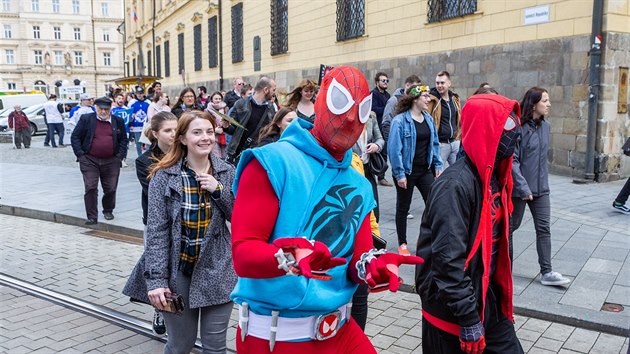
[[592, 324], [67, 220]]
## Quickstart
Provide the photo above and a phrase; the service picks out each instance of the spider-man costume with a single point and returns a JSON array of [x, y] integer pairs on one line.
[[301, 231]]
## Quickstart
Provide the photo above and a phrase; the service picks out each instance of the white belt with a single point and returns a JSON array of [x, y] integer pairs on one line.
[[291, 329]]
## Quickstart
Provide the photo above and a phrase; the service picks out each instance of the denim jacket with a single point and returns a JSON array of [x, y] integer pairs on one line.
[[401, 145]]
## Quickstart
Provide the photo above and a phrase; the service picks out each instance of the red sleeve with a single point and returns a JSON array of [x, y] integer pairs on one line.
[[362, 243], [253, 218]]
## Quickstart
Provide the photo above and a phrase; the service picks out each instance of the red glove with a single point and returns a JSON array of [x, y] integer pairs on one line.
[[473, 347], [313, 258], [472, 339], [384, 270]]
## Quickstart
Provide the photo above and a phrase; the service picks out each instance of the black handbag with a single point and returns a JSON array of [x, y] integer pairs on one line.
[[379, 242], [626, 147], [377, 164]]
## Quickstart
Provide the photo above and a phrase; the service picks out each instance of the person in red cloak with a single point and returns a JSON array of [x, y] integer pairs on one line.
[[465, 283], [287, 283]]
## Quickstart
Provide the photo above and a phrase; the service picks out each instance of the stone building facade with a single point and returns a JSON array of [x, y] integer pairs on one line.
[[45, 41], [491, 41]]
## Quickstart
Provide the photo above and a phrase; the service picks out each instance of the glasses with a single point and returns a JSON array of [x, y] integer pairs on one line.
[[240, 83], [189, 96], [384, 80]]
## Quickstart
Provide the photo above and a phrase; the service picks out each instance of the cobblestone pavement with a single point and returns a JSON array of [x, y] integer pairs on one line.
[[65, 259]]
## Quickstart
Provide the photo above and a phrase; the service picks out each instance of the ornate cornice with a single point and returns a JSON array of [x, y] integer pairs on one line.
[[196, 17]]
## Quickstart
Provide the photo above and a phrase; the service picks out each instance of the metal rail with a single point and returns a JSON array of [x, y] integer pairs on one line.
[[100, 312]]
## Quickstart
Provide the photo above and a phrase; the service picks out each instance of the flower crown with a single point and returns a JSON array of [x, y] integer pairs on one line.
[[418, 89]]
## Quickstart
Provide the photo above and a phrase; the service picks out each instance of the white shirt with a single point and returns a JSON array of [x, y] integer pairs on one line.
[[52, 113]]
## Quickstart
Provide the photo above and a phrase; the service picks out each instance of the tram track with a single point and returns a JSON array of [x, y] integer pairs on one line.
[[103, 313]]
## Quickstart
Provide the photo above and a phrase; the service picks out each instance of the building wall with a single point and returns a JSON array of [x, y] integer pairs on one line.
[[492, 45], [93, 71]]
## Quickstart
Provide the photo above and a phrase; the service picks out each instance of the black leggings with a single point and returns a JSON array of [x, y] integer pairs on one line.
[[360, 305], [420, 178]]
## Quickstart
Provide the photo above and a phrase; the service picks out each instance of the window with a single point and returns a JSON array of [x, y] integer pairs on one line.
[[78, 58], [237, 33], [134, 66], [77, 33], [36, 32], [55, 6], [75, 6], [149, 62], [105, 9], [9, 56], [35, 5], [6, 5], [446, 9], [279, 27], [350, 19], [158, 61], [213, 61], [167, 59], [38, 57], [107, 59], [58, 57], [57, 32], [11, 85], [105, 35], [197, 46], [8, 33], [180, 53]]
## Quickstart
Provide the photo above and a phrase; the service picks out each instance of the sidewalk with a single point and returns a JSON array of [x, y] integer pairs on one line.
[[590, 241]]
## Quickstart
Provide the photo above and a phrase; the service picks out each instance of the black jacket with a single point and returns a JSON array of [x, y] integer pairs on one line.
[[143, 162], [529, 167], [241, 112], [230, 98], [83, 135], [450, 223], [379, 100]]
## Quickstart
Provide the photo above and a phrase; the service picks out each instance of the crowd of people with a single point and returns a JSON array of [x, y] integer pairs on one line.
[[297, 179]]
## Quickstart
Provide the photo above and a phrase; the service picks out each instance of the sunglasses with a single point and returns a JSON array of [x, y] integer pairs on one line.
[[384, 80]]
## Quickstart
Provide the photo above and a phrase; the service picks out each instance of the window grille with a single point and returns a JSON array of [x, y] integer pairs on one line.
[[36, 32], [237, 33], [167, 59], [180, 52], [350, 19], [38, 57], [8, 33], [58, 57], [440, 10], [158, 61], [197, 46], [279, 26], [213, 60]]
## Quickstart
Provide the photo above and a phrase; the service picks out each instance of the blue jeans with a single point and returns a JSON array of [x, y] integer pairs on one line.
[[448, 152], [182, 329], [136, 138], [55, 127]]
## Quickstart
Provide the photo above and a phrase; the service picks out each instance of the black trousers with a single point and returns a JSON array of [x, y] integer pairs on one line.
[[370, 177], [500, 334], [420, 178], [108, 171], [360, 305], [623, 194]]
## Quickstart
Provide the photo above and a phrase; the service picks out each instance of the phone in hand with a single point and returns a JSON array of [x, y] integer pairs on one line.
[[174, 304]]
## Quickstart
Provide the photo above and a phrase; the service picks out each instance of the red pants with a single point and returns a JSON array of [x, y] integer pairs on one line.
[[350, 339]]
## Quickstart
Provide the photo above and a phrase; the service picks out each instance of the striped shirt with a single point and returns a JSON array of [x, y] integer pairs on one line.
[[196, 215]]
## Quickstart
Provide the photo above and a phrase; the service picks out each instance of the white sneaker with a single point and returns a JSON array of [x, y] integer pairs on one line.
[[554, 279], [409, 216], [124, 163]]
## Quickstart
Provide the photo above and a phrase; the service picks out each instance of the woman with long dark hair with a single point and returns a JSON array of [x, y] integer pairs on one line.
[[531, 180], [272, 131], [302, 99], [186, 101], [188, 244], [414, 154]]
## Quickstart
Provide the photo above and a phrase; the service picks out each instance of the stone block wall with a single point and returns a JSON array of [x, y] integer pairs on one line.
[[560, 65]]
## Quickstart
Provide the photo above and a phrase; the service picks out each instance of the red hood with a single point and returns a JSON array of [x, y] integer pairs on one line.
[[483, 119]]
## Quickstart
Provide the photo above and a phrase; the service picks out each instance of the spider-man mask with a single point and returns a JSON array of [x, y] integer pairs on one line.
[[342, 107]]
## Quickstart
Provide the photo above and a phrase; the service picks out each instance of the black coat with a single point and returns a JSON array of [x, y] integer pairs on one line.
[[449, 223], [83, 135], [230, 98], [143, 162]]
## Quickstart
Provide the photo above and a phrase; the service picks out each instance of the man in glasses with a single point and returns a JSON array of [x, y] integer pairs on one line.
[[445, 107], [234, 95], [465, 283], [379, 101]]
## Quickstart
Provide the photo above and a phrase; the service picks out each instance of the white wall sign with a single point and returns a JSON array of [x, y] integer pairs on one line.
[[69, 90], [538, 14]]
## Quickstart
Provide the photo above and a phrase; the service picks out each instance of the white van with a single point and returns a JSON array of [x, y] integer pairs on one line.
[[9, 101]]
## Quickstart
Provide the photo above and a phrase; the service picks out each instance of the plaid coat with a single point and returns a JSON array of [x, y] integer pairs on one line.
[[213, 277]]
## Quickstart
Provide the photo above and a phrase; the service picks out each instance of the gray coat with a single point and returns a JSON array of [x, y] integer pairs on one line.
[[373, 135], [529, 168], [213, 277]]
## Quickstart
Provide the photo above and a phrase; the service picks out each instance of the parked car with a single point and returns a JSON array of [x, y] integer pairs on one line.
[[36, 114], [25, 100]]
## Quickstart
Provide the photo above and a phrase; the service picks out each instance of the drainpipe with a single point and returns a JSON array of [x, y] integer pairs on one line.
[[153, 72], [94, 49], [220, 46], [594, 88]]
